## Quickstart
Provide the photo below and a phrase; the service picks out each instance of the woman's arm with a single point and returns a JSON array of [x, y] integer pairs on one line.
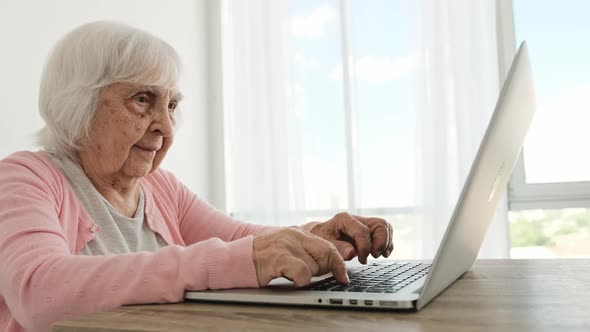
[[43, 282], [203, 221], [198, 220]]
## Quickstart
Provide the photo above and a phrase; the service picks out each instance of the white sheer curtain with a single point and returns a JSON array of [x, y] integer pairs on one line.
[[263, 156], [458, 86]]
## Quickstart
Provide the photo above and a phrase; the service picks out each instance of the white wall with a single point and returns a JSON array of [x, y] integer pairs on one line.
[[28, 29]]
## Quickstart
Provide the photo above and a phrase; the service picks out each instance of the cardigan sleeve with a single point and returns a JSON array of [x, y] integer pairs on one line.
[[42, 281], [198, 220]]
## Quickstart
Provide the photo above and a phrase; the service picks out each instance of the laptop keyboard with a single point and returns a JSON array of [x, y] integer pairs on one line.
[[376, 278]]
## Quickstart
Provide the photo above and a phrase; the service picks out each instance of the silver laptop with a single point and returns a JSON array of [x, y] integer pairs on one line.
[[383, 284]]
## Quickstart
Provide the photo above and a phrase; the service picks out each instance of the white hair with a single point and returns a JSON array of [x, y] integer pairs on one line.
[[85, 61]]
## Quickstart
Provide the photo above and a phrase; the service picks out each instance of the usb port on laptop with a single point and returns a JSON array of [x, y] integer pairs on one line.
[[336, 301]]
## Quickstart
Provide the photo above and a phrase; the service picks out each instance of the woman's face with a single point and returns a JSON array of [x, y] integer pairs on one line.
[[132, 130]]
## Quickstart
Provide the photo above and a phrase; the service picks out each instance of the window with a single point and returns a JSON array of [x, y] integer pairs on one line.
[[550, 233], [319, 98], [376, 108], [380, 109], [359, 140], [553, 175]]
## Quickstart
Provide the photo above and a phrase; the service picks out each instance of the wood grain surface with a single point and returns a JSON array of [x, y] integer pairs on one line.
[[495, 295]]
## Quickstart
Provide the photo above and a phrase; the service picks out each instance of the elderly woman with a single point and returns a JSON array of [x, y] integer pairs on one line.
[[91, 223]]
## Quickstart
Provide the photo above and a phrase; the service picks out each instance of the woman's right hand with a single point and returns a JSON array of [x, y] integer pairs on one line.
[[297, 255]]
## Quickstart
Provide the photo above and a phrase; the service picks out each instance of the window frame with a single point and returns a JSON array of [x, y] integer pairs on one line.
[[523, 195]]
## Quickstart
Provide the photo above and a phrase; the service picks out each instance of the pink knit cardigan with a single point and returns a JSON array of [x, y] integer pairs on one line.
[[43, 226]]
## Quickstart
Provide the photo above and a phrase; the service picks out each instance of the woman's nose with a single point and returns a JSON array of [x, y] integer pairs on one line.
[[163, 121]]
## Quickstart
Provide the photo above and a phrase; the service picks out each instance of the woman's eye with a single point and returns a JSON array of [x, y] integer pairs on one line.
[[172, 105], [142, 98]]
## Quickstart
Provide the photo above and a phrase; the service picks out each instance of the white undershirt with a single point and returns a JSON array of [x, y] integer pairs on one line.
[[119, 234]]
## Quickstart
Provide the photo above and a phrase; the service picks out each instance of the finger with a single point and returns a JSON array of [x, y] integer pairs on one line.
[[327, 257], [360, 234], [389, 251], [345, 249], [390, 244], [310, 262], [379, 240], [338, 268], [295, 270], [380, 234]]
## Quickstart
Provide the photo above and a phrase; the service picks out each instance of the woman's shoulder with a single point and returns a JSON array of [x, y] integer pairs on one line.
[[165, 184], [27, 162], [27, 171], [161, 176], [162, 180]]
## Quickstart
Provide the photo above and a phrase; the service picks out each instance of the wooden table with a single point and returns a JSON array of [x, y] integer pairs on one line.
[[495, 295]]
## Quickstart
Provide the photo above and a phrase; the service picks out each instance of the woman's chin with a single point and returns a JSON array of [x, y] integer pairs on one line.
[[138, 168]]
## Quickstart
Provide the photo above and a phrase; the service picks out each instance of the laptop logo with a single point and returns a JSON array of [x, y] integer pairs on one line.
[[496, 183]]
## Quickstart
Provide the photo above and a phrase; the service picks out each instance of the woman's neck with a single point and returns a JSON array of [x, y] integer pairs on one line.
[[121, 191]]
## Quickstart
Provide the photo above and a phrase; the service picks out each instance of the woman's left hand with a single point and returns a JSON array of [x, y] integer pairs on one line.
[[356, 235]]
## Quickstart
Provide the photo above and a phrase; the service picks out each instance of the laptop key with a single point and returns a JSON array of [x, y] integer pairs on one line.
[[356, 289], [370, 290], [339, 288]]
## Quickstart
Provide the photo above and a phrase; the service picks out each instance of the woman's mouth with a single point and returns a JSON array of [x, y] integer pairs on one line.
[[151, 149]]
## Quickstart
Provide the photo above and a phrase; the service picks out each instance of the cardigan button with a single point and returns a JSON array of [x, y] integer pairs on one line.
[[93, 228]]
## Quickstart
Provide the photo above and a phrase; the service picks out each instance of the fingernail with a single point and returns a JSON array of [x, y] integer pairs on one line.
[[347, 279]]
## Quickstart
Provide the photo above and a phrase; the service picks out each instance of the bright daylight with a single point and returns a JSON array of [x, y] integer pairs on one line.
[[294, 165], [386, 78]]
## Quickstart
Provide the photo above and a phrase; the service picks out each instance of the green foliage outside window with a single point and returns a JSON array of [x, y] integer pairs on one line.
[[544, 227]]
